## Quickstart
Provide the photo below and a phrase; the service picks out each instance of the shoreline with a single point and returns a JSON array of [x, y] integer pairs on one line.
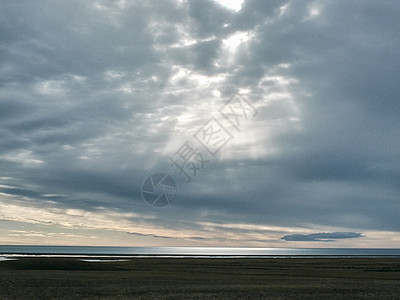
[[234, 256], [115, 257]]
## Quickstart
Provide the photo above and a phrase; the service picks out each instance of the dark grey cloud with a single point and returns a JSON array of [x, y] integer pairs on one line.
[[323, 236], [200, 56], [207, 18], [254, 12], [96, 95]]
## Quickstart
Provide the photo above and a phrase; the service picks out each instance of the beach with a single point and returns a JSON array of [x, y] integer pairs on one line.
[[200, 278]]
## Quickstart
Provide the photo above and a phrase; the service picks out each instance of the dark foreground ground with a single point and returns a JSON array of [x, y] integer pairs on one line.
[[190, 278]]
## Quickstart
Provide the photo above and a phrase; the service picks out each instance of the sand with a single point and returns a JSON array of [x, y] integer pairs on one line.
[[191, 278]]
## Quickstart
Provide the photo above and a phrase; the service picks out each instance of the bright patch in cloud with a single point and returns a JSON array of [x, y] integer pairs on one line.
[[235, 5]]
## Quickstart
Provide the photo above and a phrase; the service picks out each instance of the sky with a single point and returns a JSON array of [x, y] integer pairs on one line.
[[278, 122]]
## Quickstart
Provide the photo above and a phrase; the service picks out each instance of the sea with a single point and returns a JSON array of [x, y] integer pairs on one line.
[[15, 251]]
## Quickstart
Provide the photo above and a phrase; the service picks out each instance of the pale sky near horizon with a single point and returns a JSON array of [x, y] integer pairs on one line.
[[95, 96]]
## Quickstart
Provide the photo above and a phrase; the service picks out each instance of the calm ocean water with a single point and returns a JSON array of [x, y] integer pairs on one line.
[[8, 250]]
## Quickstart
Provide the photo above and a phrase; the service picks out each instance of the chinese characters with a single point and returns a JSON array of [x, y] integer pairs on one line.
[[193, 156], [212, 137]]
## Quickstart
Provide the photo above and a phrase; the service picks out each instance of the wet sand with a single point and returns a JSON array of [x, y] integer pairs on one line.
[[191, 278]]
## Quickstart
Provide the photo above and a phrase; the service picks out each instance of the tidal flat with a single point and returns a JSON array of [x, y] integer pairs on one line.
[[200, 278]]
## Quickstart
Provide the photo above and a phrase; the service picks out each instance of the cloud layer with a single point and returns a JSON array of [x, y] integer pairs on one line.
[[97, 95]]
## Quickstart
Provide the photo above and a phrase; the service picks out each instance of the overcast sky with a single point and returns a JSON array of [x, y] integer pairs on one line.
[[97, 95]]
